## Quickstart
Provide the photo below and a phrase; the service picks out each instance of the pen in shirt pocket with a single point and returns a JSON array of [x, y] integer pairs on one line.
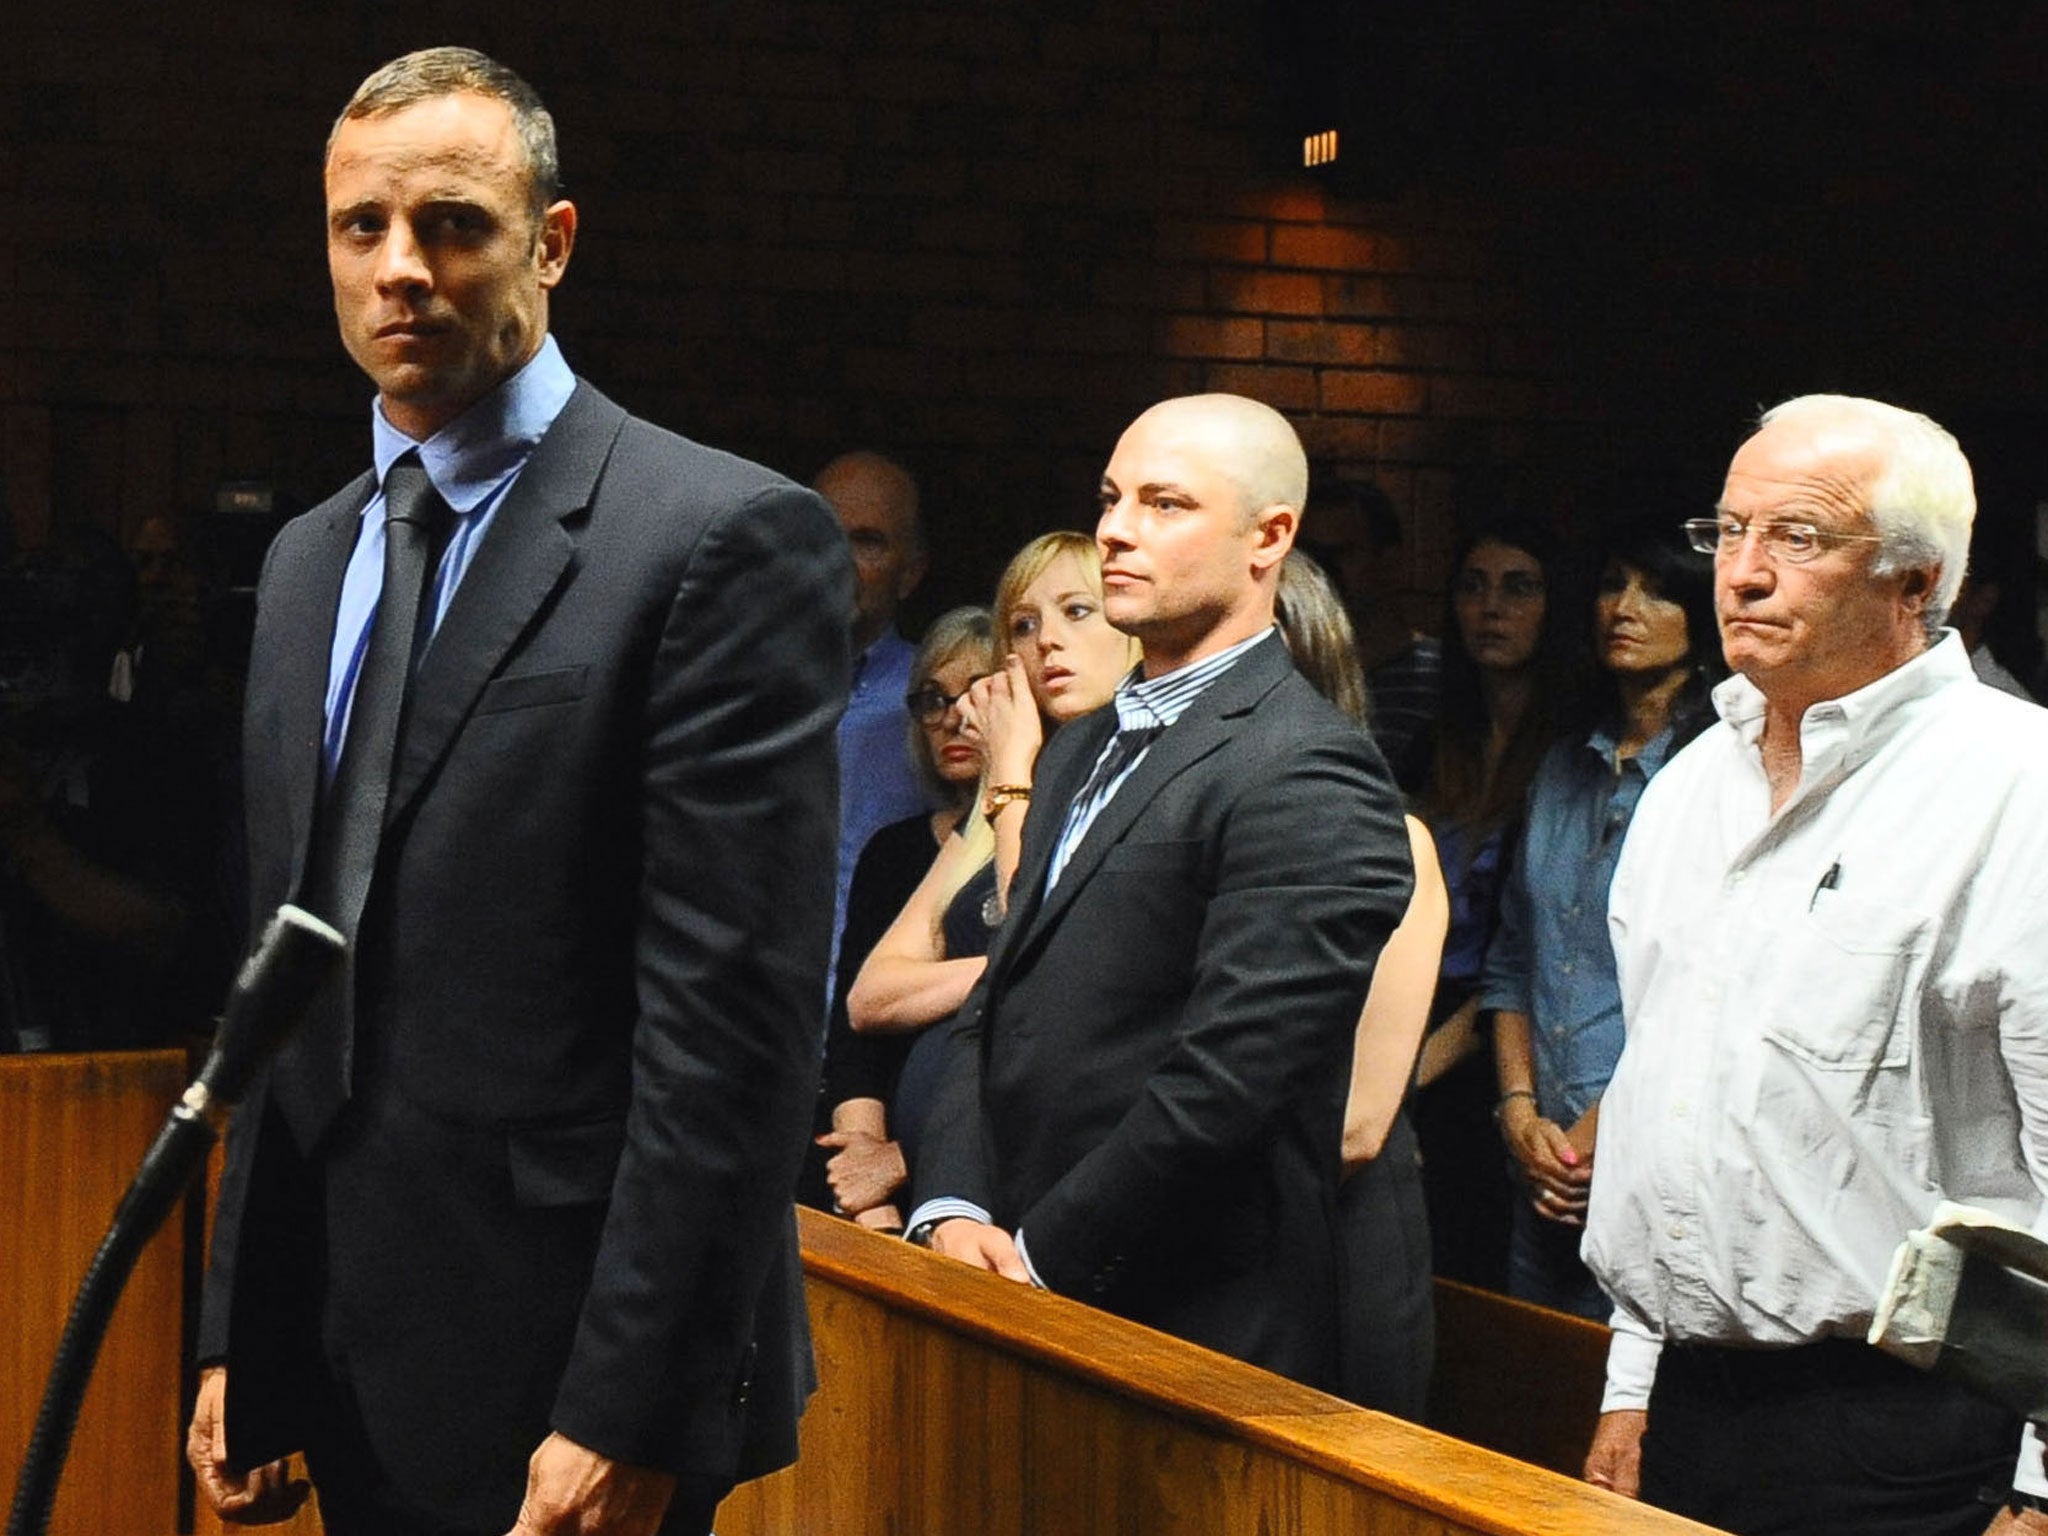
[[1828, 882]]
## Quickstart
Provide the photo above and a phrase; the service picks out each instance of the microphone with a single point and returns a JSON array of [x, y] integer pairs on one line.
[[297, 955], [294, 959]]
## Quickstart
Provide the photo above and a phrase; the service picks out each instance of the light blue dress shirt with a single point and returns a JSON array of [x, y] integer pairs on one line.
[[877, 784], [473, 462]]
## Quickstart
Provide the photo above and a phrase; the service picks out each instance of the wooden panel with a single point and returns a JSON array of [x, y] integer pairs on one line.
[[1540, 1408], [953, 1400], [73, 1130]]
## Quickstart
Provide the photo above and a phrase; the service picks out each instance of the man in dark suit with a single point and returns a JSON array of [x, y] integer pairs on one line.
[[1144, 1094], [505, 1232]]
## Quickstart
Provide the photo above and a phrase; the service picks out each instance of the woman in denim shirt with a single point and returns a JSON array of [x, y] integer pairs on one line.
[[1549, 979]]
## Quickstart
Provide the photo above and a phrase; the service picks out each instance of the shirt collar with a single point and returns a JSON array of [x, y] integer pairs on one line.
[[475, 453], [1159, 701], [1606, 742], [1855, 720]]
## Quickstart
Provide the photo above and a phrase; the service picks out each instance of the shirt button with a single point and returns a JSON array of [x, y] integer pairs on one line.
[[1710, 996], [1738, 877], [1566, 967], [1680, 1109], [1676, 1230]]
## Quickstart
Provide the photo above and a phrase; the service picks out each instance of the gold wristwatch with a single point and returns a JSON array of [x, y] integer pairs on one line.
[[1000, 795]]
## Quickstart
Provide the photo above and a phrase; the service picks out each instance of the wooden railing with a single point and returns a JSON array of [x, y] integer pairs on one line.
[[951, 1401], [954, 1401], [72, 1133]]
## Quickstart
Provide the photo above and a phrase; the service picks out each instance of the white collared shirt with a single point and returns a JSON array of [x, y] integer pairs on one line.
[[1837, 1014]]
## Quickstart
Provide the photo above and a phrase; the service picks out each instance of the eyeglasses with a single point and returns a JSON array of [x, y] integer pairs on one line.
[[1793, 543], [928, 705]]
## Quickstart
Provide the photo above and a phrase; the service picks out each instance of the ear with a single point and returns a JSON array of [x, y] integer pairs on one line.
[[557, 240], [1916, 589], [1273, 530]]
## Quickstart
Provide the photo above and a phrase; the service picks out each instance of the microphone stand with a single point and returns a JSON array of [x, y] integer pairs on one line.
[[294, 959]]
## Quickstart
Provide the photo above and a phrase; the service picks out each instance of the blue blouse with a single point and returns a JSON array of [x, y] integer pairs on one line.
[[1551, 957]]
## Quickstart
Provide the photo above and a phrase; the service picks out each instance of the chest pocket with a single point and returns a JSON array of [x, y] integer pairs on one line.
[[1855, 967]]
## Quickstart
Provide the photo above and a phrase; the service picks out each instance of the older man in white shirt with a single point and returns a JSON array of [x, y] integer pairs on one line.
[[1831, 922]]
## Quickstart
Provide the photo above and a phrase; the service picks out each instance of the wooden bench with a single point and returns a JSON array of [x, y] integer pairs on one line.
[[952, 1401]]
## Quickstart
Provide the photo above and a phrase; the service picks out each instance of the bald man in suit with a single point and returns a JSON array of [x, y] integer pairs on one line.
[[1144, 1094]]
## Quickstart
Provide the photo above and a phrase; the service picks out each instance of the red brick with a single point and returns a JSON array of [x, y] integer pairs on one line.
[[1320, 341], [1265, 292], [1206, 336], [1432, 346], [1382, 394], [1340, 437], [1285, 389], [1212, 240], [1323, 247], [1295, 203], [1352, 294]]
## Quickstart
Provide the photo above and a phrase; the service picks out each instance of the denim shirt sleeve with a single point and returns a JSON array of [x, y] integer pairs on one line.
[[1504, 986]]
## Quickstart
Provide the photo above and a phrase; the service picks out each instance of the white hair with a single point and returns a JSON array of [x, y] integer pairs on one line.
[[1922, 499]]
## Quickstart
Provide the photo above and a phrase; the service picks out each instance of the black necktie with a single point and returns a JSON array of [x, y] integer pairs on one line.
[[315, 1071]]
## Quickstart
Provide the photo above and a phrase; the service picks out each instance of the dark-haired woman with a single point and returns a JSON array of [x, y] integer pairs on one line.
[[1507, 670], [1550, 979]]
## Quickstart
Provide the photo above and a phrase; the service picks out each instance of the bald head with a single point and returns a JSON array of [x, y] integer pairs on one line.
[[1200, 503], [876, 500], [1247, 441]]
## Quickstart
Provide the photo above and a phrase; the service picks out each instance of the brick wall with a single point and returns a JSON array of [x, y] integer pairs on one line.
[[978, 243], [977, 235]]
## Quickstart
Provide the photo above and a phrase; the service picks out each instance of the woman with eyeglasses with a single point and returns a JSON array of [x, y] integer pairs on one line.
[[1062, 660], [1508, 665], [1550, 981], [859, 1162]]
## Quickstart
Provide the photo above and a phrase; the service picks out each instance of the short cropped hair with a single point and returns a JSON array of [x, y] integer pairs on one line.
[[1923, 500], [435, 72]]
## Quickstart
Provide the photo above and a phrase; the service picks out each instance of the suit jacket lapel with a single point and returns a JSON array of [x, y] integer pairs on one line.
[[523, 556], [312, 585], [1209, 722]]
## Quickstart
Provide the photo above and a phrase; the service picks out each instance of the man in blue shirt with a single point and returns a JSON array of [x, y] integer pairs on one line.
[[876, 500], [540, 715]]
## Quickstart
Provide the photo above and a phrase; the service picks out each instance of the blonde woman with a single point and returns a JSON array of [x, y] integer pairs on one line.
[[1062, 661]]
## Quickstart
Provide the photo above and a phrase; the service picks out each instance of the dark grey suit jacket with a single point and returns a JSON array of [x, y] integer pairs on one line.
[[598, 928], [1149, 1079]]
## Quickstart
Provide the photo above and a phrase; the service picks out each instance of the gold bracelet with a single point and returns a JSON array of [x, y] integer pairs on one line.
[[1000, 795]]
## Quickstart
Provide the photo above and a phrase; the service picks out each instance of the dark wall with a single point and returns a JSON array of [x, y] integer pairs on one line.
[[1565, 251]]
